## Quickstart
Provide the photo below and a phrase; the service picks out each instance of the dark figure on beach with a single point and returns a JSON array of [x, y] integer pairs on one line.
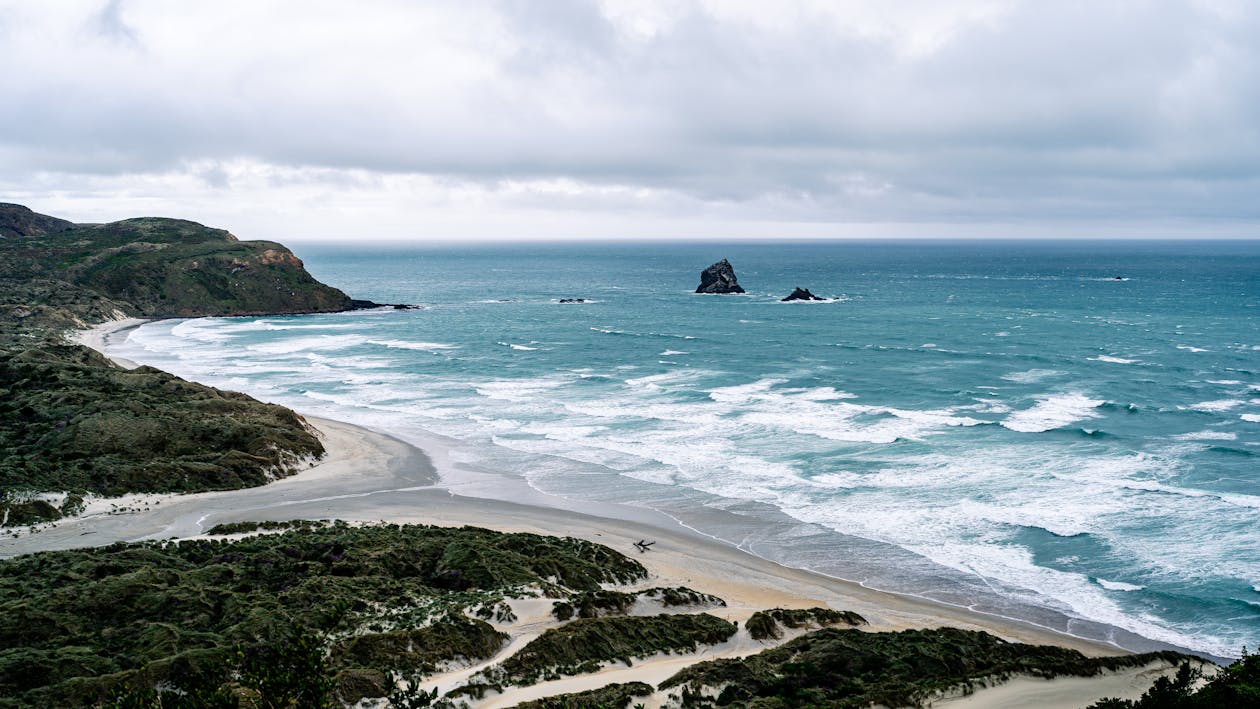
[[643, 545]]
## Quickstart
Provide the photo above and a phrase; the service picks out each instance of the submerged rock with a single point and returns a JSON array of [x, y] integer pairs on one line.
[[719, 278], [573, 300], [801, 294]]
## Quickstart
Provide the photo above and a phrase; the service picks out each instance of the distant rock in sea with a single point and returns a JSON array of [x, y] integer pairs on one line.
[[370, 305], [573, 300], [801, 294], [719, 278]]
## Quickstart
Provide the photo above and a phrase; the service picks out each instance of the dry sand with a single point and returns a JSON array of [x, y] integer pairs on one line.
[[368, 476]]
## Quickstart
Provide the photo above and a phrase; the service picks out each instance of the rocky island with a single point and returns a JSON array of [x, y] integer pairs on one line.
[[801, 294], [719, 278]]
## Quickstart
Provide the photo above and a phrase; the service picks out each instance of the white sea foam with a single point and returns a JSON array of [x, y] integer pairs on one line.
[[1053, 412], [409, 345], [1189, 348], [656, 382], [516, 389], [670, 353], [1218, 405], [1207, 436], [1113, 360], [201, 330], [1224, 382], [514, 346], [300, 344], [1118, 585], [742, 392], [1031, 376], [1252, 418]]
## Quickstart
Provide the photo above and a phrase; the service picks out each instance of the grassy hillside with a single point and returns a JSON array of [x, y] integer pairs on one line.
[[76, 625], [71, 422], [156, 267]]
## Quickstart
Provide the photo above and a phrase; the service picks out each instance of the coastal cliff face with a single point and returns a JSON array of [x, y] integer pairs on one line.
[[71, 423], [154, 267]]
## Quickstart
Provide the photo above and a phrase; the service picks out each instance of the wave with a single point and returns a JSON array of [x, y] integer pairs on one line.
[[1207, 436], [1031, 376], [629, 333], [1218, 405], [1113, 360], [1118, 585], [1251, 418], [1229, 450], [1189, 348], [514, 346], [409, 345], [670, 353], [301, 344], [1053, 412]]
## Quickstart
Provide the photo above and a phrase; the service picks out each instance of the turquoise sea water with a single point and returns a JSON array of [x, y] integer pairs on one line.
[[1001, 425]]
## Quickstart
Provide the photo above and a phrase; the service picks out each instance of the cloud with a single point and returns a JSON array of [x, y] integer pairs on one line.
[[913, 113]]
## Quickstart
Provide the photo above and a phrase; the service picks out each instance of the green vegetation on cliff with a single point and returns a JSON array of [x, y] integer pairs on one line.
[[71, 422], [75, 625], [1235, 686], [851, 668], [155, 267], [769, 624], [613, 696], [582, 645]]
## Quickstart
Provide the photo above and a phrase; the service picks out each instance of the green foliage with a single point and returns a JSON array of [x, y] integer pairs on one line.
[[69, 420], [1237, 685], [78, 623], [265, 526], [170, 267], [613, 696], [683, 596], [422, 649], [592, 604], [582, 645], [851, 668], [767, 625]]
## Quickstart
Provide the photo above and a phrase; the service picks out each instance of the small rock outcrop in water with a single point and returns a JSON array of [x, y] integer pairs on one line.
[[370, 305], [573, 300], [801, 294], [719, 278]]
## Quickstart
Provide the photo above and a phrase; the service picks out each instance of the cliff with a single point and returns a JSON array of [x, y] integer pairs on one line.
[[72, 424], [155, 267]]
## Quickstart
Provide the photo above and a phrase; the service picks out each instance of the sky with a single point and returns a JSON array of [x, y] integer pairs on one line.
[[622, 119]]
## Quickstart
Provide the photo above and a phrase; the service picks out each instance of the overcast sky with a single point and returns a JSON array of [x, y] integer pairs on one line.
[[635, 118]]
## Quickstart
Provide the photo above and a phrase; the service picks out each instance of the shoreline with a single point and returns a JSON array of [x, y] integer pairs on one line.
[[369, 476]]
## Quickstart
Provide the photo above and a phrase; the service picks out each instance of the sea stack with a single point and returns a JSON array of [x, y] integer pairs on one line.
[[801, 294], [719, 278]]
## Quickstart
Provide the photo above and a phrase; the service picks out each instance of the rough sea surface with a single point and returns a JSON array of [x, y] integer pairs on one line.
[[1002, 425]]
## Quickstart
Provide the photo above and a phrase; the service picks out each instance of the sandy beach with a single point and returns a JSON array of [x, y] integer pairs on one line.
[[368, 476]]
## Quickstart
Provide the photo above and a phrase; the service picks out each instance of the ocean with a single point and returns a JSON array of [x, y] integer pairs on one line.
[[1062, 432]]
